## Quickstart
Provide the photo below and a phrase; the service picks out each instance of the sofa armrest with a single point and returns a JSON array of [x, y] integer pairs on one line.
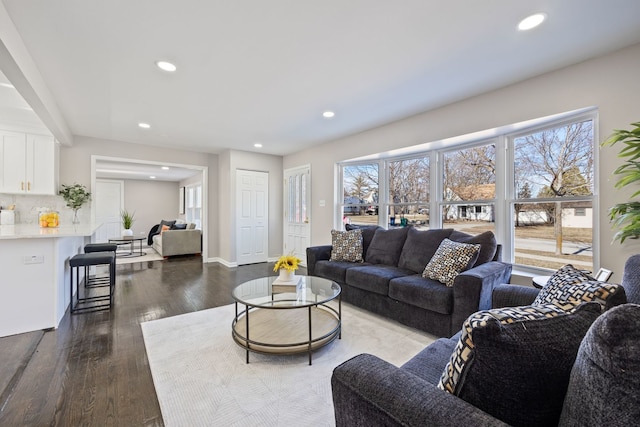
[[180, 242], [369, 391], [315, 254], [472, 290], [513, 295]]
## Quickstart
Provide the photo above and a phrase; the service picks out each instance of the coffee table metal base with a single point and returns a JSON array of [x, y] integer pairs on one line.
[[283, 329]]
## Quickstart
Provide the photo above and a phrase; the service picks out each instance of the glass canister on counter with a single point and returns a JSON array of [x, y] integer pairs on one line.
[[49, 219]]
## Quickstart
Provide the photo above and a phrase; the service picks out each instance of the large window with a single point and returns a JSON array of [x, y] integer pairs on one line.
[[193, 205], [534, 188], [553, 191], [360, 193], [409, 188], [469, 189]]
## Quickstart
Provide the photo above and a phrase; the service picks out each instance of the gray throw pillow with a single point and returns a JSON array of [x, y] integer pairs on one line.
[[514, 363]]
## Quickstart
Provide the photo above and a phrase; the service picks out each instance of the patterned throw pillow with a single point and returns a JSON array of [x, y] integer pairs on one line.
[[569, 287], [451, 259], [514, 363], [346, 245]]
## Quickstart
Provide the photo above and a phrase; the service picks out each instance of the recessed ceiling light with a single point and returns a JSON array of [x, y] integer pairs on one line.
[[531, 21], [257, 145], [166, 66], [144, 125], [165, 168], [328, 114], [152, 177]]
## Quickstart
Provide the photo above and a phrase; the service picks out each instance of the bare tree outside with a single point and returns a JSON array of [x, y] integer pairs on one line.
[[408, 183], [556, 163], [469, 177], [359, 181]]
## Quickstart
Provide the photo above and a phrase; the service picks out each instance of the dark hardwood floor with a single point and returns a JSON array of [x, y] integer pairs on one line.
[[93, 369]]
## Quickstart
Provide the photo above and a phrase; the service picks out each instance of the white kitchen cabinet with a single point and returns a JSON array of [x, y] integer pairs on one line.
[[28, 163]]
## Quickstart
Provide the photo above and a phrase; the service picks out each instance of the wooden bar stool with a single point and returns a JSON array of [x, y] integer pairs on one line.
[[87, 302]]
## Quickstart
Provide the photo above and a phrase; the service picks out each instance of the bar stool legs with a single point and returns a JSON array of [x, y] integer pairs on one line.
[[87, 300], [97, 281]]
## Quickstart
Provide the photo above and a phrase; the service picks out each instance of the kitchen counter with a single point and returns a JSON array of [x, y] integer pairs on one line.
[[34, 290], [34, 231]]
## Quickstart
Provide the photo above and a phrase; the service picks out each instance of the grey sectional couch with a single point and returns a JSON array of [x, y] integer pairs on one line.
[[389, 282]]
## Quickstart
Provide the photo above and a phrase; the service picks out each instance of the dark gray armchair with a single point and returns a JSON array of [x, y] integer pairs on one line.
[[602, 377]]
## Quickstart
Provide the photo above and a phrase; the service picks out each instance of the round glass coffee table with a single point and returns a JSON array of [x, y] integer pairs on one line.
[[285, 318]]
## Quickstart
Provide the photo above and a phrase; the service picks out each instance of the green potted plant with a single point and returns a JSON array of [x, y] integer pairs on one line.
[[626, 216], [75, 196], [127, 222]]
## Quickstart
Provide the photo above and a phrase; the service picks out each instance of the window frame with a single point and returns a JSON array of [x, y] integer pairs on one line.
[[505, 197]]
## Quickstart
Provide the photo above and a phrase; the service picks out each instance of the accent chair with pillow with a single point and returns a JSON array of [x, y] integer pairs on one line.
[[558, 361]]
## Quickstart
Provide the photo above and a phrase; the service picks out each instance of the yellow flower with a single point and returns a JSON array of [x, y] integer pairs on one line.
[[288, 262]]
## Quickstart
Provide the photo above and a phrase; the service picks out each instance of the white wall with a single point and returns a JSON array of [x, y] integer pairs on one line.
[[75, 166], [609, 82], [230, 161], [151, 201]]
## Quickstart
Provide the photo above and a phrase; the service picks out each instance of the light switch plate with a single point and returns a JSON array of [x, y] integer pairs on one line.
[[33, 259]]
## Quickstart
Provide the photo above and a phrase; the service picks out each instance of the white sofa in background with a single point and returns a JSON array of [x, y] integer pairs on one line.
[[178, 242]]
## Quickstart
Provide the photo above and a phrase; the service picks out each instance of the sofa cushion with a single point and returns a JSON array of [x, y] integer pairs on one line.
[[487, 241], [604, 387], [346, 245], [179, 226], [569, 286], [451, 259], [419, 248], [167, 223], [334, 270], [429, 363], [514, 363], [374, 278], [367, 234], [421, 292], [386, 246]]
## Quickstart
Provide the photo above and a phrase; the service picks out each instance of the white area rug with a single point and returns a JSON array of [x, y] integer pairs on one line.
[[150, 255], [201, 377]]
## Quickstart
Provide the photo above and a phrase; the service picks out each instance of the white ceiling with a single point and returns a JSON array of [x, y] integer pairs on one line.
[[264, 71], [113, 169]]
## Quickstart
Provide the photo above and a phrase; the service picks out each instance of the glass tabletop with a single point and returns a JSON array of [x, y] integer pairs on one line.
[[309, 290]]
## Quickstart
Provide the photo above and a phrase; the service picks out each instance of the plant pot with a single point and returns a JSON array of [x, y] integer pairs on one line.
[[285, 275], [127, 233]]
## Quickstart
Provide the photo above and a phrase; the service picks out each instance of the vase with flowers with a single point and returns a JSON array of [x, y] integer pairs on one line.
[[286, 267]]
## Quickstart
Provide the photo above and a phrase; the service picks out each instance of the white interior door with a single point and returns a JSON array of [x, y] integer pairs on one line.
[[297, 196], [109, 199], [252, 213]]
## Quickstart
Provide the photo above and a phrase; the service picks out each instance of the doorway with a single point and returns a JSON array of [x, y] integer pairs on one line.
[[252, 210], [140, 168], [109, 200], [297, 196]]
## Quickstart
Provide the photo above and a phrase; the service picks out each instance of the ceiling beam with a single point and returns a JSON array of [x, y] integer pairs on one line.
[[18, 66]]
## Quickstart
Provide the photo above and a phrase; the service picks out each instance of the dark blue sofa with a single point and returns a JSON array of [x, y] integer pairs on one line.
[[389, 282]]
